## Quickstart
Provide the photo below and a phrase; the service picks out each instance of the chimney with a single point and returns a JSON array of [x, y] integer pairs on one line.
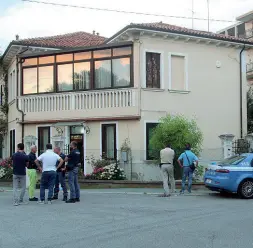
[[17, 37], [94, 32], [97, 33]]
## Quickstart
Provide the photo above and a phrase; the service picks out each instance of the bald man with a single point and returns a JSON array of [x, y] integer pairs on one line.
[[32, 173]]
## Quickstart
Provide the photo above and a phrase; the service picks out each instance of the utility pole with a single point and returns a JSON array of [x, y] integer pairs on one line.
[[192, 13], [208, 15]]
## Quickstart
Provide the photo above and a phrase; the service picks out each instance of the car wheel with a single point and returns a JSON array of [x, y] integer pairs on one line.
[[245, 189]]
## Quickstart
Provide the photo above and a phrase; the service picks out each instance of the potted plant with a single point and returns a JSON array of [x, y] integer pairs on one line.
[[125, 150]]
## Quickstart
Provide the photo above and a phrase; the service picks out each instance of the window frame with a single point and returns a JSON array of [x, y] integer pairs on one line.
[[146, 138], [12, 139], [92, 69], [144, 64], [39, 136], [186, 83], [103, 125]]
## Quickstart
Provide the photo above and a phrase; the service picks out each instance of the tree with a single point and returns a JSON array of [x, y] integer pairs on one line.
[[177, 131], [250, 110]]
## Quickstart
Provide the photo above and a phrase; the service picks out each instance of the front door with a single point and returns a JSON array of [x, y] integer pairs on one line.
[[76, 134], [43, 139]]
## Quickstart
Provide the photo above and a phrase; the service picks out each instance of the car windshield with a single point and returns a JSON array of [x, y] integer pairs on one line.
[[234, 160]]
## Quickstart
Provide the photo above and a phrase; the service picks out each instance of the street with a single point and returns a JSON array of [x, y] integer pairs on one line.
[[128, 220]]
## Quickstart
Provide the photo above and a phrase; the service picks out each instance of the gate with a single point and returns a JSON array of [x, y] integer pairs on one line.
[[241, 146]]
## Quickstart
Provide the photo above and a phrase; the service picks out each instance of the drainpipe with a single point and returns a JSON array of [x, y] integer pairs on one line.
[[241, 122], [17, 88]]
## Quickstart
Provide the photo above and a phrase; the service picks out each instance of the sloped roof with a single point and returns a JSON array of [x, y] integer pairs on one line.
[[70, 40], [164, 27]]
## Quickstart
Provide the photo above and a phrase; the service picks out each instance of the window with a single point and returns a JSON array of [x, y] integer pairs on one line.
[[103, 74], [109, 146], [87, 70], [178, 72], [12, 86], [121, 72], [30, 81], [43, 138], [149, 130], [153, 70], [12, 142], [65, 80], [82, 76], [46, 79]]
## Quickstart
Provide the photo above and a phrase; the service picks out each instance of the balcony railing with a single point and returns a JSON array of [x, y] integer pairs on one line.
[[103, 99], [249, 67]]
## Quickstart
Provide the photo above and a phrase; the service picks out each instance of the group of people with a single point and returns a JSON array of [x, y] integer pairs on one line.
[[53, 165], [187, 160]]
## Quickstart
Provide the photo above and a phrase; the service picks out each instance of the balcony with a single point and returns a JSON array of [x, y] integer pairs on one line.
[[249, 71], [80, 105]]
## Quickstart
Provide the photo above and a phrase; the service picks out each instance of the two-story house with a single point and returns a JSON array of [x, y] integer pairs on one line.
[[103, 94]]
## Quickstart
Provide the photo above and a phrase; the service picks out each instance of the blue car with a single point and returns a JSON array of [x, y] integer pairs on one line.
[[234, 175]]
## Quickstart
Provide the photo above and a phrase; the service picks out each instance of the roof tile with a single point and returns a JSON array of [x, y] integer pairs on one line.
[[77, 39]]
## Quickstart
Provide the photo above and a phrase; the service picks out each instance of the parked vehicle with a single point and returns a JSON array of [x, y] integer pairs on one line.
[[234, 175]]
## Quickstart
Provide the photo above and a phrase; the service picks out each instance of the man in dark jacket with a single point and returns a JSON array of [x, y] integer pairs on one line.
[[73, 160], [60, 177], [32, 173]]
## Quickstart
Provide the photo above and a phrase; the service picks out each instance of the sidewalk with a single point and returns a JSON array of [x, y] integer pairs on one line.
[[127, 191]]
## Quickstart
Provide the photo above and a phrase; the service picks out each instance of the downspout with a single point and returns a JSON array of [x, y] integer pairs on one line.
[[241, 121], [17, 90]]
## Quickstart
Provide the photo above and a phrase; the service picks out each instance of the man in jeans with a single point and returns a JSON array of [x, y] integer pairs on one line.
[[185, 160], [167, 156], [49, 160], [60, 177], [73, 160], [32, 173], [20, 162]]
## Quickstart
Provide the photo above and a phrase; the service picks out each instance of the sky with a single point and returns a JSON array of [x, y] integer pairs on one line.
[[36, 20]]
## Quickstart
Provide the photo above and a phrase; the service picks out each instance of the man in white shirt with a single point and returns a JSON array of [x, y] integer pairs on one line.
[[167, 156], [49, 160]]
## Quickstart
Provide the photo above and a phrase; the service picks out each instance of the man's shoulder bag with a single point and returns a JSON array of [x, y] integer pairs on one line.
[[192, 166]]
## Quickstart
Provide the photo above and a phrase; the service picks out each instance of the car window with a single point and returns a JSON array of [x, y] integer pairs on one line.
[[234, 160]]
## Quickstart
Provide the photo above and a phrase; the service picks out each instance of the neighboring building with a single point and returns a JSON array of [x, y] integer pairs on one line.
[[103, 94], [243, 29]]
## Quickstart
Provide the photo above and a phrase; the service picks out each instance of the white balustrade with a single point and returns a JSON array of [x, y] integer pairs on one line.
[[78, 101]]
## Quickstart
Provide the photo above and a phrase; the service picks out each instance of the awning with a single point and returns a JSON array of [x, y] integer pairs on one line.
[[63, 124]]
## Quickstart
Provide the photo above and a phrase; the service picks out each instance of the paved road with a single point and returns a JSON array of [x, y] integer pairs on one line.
[[128, 221]]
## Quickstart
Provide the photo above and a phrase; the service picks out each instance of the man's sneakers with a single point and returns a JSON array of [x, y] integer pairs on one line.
[[65, 198], [33, 199], [22, 202], [77, 199], [71, 201], [41, 202], [15, 204], [55, 197]]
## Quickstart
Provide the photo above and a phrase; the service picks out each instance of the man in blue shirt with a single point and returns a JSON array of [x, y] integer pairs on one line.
[[20, 161], [185, 160], [73, 160], [60, 177]]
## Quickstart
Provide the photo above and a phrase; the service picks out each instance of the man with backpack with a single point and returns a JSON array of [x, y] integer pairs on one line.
[[187, 161]]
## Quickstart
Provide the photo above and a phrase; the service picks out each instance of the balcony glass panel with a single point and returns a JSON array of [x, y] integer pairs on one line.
[[82, 56], [103, 74], [102, 53], [121, 51], [64, 57], [29, 62], [46, 60], [46, 79], [30, 81], [65, 77], [82, 76], [121, 72]]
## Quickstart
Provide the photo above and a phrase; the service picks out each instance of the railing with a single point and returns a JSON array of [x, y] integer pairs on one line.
[[78, 101], [249, 67]]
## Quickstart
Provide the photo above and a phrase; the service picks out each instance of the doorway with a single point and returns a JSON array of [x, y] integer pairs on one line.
[[76, 134]]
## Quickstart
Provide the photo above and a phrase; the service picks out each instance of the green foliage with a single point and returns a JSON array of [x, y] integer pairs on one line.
[[177, 131], [198, 173], [250, 110]]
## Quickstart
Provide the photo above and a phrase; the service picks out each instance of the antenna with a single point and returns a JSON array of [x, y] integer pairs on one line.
[[208, 15]]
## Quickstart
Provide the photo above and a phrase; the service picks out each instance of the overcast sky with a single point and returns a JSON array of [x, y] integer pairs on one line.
[[33, 20]]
